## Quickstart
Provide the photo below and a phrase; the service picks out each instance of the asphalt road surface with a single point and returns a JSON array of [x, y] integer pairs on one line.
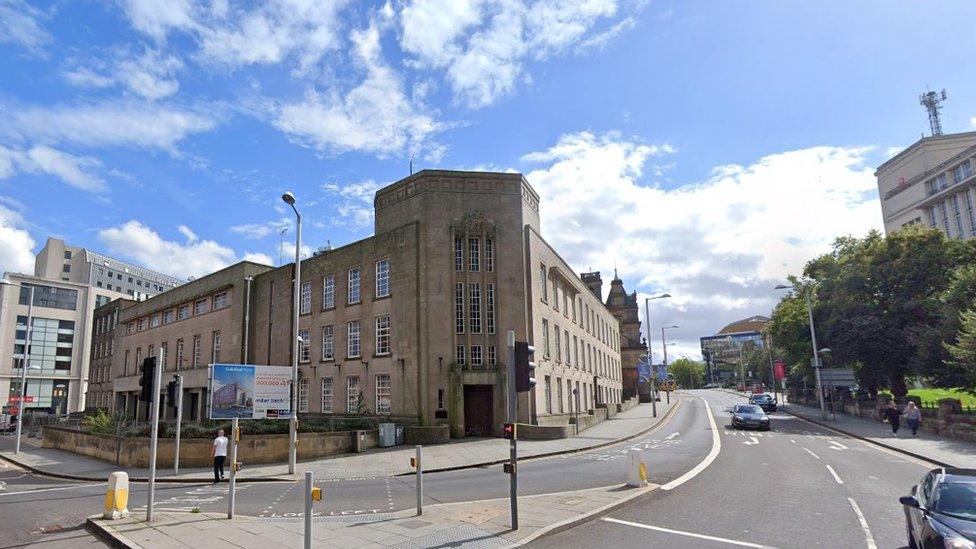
[[795, 486]]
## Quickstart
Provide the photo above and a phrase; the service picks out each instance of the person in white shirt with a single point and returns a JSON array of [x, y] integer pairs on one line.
[[219, 454]]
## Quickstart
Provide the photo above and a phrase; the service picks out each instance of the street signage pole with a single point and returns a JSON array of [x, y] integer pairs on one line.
[[235, 430], [154, 430], [23, 370], [179, 422], [816, 356], [513, 419]]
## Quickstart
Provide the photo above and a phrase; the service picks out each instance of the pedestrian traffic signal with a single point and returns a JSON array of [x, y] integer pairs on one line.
[[524, 367], [508, 431], [148, 378]]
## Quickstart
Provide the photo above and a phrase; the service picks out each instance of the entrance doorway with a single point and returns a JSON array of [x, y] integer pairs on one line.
[[479, 414]]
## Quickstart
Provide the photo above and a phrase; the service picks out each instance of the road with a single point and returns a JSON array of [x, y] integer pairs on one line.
[[771, 488], [795, 486]]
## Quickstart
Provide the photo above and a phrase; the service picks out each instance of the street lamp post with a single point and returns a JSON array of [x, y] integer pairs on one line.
[[289, 199], [650, 361], [26, 364], [813, 340]]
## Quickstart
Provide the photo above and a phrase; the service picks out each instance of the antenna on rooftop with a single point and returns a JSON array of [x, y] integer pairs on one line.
[[932, 101]]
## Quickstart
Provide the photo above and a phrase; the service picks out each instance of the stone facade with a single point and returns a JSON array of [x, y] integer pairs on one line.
[[632, 345], [105, 320]]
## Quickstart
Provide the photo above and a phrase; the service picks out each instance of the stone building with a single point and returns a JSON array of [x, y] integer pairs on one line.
[[101, 383], [632, 345]]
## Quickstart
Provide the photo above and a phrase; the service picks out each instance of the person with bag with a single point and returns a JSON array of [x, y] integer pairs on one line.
[[913, 417]]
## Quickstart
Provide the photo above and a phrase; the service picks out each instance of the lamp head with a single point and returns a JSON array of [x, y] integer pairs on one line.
[[289, 198], [782, 287]]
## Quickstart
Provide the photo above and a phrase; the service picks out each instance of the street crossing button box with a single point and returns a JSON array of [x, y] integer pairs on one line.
[[316, 494]]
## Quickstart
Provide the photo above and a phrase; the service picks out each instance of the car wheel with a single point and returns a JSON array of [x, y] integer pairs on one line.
[[911, 538]]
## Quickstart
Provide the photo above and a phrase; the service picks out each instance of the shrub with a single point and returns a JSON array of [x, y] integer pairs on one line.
[[100, 423]]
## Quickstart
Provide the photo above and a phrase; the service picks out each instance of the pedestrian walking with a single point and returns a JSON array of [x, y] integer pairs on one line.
[[893, 416], [913, 417], [219, 454]]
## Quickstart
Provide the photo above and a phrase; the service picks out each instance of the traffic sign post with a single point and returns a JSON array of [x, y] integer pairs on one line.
[[179, 422], [513, 418], [157, 383]]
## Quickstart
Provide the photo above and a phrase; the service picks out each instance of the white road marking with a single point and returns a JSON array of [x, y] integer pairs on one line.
[[681, 533], [793, 441], [753, 440], [836, 445], [51, 489], [672, 435], [807, 450], [834, 473], [716, 448], [864, 524]]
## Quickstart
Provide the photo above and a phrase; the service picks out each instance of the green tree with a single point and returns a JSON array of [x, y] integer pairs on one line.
[[963, 351], [687, 372], [789, 333]]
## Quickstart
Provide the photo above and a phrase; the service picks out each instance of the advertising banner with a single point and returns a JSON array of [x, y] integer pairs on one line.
[[250, 392]]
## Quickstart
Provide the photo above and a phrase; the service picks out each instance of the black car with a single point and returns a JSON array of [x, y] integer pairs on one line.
[[941, 512], [764, 401], [749, 415]]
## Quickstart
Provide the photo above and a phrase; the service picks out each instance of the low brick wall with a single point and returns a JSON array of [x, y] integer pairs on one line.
[[545, 432], [252, 449], [436, 434]]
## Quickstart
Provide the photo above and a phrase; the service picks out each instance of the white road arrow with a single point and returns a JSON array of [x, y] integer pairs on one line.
[[751, 441], [672, 435], [837, 446]]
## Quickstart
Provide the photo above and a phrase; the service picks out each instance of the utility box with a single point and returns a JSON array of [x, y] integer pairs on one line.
[[359, 441], [387, 435], [399, 435]]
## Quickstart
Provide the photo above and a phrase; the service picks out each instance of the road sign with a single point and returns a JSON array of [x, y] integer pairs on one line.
[[837, 377], [250, 392], [779, 369]]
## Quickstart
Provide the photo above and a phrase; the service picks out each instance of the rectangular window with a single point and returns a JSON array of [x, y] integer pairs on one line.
[[941, 182], [220, 300], [383, 335], [962, 172], [548, 395], [459, 355], [575, 351], [168, 317], [183, 313], [566, 304], [474, 254], [492, 356], [50, 296], [568, 357], [215, 358], [545, 338], [304, 346], [179, 354], [557, 338], [154, 321], [440, 399], [303, 395], [130, 328], [474, 307], [196, 351], [327, 393], [125, 364], [458, 254], [352, 395], [352, 339], [305, 304], [544, 283], [559, 395], [945, 217], [459, 308], [353, 295], [328, 292], [489, 255], [932, 222], [971, 211], [490, 307], [383, 278], [328, 342], [957, 213], [476, 358], [383, 394], [555, 295], [200, 307]]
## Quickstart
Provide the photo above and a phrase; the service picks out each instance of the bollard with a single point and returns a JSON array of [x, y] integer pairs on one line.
[[420, 480], [235, 436], [308, 509], [117, 496], [636, 469]]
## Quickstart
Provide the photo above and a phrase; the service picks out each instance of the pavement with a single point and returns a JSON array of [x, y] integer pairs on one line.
[[377, 462]]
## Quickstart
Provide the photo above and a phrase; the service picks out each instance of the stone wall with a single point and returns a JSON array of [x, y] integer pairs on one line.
[[252, 449]]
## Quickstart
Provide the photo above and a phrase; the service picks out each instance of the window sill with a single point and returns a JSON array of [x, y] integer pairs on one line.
[[381, 298], [326, 309], [382, 355], [351, 303], [327, 360]]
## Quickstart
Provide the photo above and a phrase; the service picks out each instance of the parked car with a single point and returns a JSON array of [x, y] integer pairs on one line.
[[749, 415], [941, 512], [764, 401]]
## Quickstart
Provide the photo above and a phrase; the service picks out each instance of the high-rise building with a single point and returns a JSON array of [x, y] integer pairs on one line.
[[931, 183]]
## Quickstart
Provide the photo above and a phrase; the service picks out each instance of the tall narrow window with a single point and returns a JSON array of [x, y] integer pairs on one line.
[[459, 308], [557, 338], [125, 365], [216, 347], [490, 307], [352, 395], [303, 395], [576, 352], [458, 254], [304, 346], [545, 338], [383, 335], [459, 355], [559, 395], [328, 342], [476, 356], [196, 351], [164, 353], [383, 278], [492, 356], [568, 357], [179, 354], [383, 394], [474, 254], [328, 292], [957, 213], [354, 293], [327, 395], [489, 254], [474, 307], [306, 301], [972, 212], [352, 339], [548, 395], [544, 283]]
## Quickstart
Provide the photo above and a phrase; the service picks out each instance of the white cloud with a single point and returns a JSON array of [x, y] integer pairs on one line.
[[483, 44], [150, 74], [157, 18], [972, 121], [73, 170], [600, 41], [16, 244], [355, 202], [261, 230], [257, 257], [719, 245], [194, 257], [375, 116], [20, 24], [119, 123], [288, 251]]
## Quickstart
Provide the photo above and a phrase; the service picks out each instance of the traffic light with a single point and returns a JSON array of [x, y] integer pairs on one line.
[[524, 367], [508, 431], [171, 394], [147, 379]]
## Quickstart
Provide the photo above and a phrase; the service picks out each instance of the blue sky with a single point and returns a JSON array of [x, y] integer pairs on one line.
[[701, 148]]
